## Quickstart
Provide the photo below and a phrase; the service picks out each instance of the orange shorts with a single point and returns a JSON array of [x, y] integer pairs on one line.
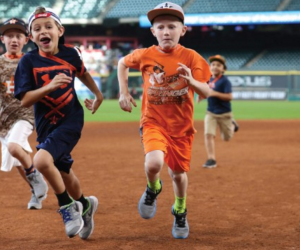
[[177, 149]]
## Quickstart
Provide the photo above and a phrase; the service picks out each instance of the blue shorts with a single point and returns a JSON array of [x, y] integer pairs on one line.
[[59, 143]]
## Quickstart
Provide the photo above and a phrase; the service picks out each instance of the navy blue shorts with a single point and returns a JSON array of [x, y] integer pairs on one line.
[[59, 143]]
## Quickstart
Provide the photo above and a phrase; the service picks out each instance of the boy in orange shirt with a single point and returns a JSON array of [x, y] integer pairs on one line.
[[167, 129]]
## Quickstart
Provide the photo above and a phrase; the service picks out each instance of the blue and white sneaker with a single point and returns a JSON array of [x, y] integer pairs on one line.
[[72, 217], [180, 228], [147, 203]]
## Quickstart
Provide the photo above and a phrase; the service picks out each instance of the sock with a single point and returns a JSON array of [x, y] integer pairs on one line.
[[155, 186], [28, 171], [85, 203], [64, 199], [180, 204]]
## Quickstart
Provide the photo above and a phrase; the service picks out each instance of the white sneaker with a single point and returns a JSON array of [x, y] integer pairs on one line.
[[34, 202], [38, 184]]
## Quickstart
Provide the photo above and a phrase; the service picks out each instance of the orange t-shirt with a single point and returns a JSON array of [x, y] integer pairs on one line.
[[168, 101]]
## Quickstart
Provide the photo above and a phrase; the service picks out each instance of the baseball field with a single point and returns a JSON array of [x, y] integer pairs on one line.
[[250, 201]]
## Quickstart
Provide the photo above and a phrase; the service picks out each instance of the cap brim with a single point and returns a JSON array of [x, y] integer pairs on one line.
[[152, 14], [12, 26]]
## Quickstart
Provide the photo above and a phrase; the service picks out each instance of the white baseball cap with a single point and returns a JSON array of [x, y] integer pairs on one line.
[[166, 8], [48, 13]]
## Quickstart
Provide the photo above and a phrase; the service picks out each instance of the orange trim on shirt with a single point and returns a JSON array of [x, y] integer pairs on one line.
[[13, 56], [47, 69], [51, 106], [58, 100], [56, 59], [64, 103]]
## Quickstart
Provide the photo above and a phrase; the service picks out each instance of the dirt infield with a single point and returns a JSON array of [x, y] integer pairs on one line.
[[250, 201]]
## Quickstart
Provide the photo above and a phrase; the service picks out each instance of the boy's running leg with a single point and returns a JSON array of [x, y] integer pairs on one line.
[[180, 228], [34, 178], [154, 161], [70, 210], [90, 204]]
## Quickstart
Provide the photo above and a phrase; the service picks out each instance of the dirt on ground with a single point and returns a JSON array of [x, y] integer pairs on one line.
[[249, 201]]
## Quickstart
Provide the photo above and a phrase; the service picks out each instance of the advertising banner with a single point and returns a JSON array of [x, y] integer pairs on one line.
[[259, 87]]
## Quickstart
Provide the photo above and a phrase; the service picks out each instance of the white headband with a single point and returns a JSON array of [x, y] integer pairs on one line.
[[49, 13]]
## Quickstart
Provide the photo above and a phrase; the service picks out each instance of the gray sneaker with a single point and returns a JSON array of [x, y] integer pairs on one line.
[[34, 202], [38, 184], [88, 218], [72, 216], [180, 228], [147, 203]]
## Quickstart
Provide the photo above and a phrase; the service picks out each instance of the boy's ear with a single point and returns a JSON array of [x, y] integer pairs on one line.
[[184, 29], [62, 31], [153, 31], [2, 39]]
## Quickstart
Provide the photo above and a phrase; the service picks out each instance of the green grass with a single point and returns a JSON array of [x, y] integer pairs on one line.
[[243, 110]]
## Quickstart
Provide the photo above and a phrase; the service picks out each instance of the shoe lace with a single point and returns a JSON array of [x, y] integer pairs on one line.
[[66, 214], [180, 220], [150, 198]]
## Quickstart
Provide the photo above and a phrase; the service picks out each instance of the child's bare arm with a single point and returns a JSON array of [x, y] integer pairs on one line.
[[89, 82], [125, 98], [33, 96], [201, 89]]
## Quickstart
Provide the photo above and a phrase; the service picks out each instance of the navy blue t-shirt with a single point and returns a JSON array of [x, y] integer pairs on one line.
[[60, 108], [216, 105]]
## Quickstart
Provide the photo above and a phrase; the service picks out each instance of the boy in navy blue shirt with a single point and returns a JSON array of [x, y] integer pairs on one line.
[[45, 78], [219, 112]]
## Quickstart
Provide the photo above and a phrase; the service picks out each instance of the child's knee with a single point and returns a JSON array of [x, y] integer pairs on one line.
[[42, 161], [13, 149], [153, 166], [177, 176]]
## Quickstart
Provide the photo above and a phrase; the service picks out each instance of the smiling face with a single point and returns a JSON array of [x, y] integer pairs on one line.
[[217, 68], [168, 29], [14, 41], [45, 33]]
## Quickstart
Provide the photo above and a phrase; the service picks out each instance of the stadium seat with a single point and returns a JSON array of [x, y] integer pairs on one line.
[[294, 5], [212, 6], [135, 8], [278, 59], [82, 9], [22, 9]]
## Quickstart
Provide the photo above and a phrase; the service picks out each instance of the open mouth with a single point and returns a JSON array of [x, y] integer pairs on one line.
[[45, 40]]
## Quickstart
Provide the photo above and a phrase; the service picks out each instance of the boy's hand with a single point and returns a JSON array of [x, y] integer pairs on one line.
[[125, 102], [199, 98], [59, 81], [185, 72], [93, 104]]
